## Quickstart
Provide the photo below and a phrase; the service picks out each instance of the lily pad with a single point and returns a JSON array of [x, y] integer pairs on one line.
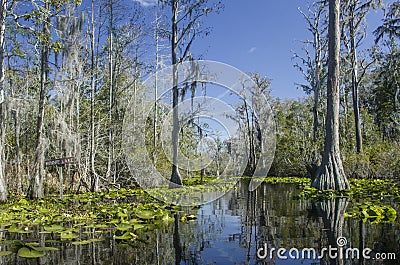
[[68, 236], [139, 226], [53, 228], [5, 253], [14, 229], [126, 236], [124, 227], [145, 214], [85, 242], [29, 253], [46, 249]]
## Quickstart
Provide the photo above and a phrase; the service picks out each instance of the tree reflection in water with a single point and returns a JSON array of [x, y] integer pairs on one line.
[[332, 213], [227, 231]]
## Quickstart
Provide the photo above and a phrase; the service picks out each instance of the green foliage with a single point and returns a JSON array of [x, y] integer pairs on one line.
[[5, 253], [380, 159], [126, 236], [309, 193], [85, 242], [192, 181], [128, 213], [29, 253], [30, 250], [193, 192], [374, 213], [288, 180], [112, 210], [295, 148], [361, 189], [384, 104]]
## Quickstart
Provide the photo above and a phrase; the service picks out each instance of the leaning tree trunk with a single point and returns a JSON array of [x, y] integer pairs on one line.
[[175, 176], [331, 174], [3, 188], [36, 181]]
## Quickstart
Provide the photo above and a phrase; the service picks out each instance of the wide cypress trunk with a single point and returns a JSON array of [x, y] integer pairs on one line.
[[331, 174]]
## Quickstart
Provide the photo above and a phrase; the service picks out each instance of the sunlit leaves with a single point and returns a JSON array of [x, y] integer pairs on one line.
[[374, 213]]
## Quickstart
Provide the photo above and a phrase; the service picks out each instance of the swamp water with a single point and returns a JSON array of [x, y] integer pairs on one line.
[[229, 230]]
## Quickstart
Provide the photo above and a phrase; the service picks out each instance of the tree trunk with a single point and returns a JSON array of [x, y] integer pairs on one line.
[[175, 176], [251, 161], [315, 115], [94, 178], [36, 181], [110, 159], [331, 174], [317, 87], [354, 86], [3, 13], [18, 156], [157, 29]]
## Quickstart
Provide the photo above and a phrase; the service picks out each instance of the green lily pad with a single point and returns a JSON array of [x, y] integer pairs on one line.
[[29, 253], [101, 226], [41, 249], [53, 228], [68, 236], [5, 253], [135, 221], [139, 226], [145, 214], [14, 229], [124, 227], [85, 242], [126, 236]]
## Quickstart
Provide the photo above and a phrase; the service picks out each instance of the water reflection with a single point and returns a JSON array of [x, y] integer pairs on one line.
[[332, 213], [235, 227], [228, 231]]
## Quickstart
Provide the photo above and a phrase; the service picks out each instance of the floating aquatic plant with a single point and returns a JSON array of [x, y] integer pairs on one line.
[[374, 213], [369, 199]]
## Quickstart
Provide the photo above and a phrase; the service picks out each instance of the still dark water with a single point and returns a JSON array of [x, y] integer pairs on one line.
[[230, 231]]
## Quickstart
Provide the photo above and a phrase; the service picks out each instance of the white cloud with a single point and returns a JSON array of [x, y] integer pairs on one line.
[[147, 3], [252, 49]]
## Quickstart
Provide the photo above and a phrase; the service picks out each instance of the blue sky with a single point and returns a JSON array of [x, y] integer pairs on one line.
[[259, 36]]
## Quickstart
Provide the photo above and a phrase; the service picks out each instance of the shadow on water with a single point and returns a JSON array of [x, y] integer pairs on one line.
[[230, 230]]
